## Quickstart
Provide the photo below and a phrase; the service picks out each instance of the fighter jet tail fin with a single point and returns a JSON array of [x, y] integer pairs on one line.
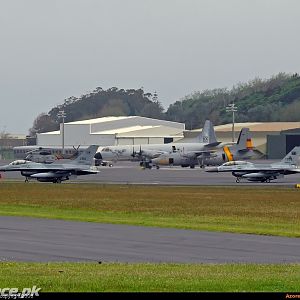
[[293, 157], [208, 136], [86, 157], [244, 141]]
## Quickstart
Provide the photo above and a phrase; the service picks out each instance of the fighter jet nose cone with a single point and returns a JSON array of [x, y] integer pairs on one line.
[[211, 169], [98, 155]]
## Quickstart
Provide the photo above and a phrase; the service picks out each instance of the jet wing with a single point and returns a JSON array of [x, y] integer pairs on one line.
[[76, 170], [83, 171], [152, 153], [197, 154]]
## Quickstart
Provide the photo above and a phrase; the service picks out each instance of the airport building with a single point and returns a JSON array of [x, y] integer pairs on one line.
[[274, 139], [109, 131], [283, 142], [8, 141]]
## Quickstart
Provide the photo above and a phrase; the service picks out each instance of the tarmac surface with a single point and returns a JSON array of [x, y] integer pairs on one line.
[[131, 173], [43, 240]]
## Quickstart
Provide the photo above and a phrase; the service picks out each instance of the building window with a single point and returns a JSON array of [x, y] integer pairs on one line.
[[168, 140]]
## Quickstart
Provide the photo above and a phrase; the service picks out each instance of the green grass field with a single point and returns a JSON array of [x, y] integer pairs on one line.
[[267, 211], [151, 277]]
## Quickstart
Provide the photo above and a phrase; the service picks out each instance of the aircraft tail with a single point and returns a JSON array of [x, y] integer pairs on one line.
[[208, 136], [293, 157], [244, 141], [243, 145], [86, 157]]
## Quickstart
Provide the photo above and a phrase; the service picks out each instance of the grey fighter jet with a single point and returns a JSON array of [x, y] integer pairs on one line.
[[55, 172], [290, 164]]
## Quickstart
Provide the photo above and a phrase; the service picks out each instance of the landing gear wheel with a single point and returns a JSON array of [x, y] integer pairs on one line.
[[237, 180], [157, 167]]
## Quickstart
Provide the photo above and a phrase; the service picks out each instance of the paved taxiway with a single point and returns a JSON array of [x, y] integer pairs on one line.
[[29, 239], [131, 173]]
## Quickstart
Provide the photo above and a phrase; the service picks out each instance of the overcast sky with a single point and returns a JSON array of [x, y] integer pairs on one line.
[[53, 49]]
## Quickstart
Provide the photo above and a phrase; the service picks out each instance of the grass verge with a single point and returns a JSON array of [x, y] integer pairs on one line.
[[269, 211], [86, 277]]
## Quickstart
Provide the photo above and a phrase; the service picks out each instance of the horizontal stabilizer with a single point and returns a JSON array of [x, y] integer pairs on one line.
[[212, 144]]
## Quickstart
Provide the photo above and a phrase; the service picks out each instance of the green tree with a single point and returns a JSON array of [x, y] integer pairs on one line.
[[43, 123]]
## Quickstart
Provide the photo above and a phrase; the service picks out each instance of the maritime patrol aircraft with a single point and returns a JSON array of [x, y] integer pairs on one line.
[[55, 172], [204, 143], [290, 164], [242, 150]]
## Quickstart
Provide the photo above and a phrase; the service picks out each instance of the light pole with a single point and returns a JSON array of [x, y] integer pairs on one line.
[[62, 115], [232, 108], [155, 97]]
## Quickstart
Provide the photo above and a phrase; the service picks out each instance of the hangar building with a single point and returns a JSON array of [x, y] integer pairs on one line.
[[109, 131], [278, 145]]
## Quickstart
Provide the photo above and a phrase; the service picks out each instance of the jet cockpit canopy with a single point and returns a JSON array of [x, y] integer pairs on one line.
[[18, 162], [236, 163]]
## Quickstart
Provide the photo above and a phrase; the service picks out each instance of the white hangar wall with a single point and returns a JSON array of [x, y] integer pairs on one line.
[[110, 123], [108, 131]]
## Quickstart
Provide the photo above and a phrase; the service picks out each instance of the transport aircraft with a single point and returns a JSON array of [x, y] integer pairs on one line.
[[290, 164], [55, 172], [204, 143], [242, 150]]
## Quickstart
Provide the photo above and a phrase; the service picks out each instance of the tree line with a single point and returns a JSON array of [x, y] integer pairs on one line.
[[259, 100]]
